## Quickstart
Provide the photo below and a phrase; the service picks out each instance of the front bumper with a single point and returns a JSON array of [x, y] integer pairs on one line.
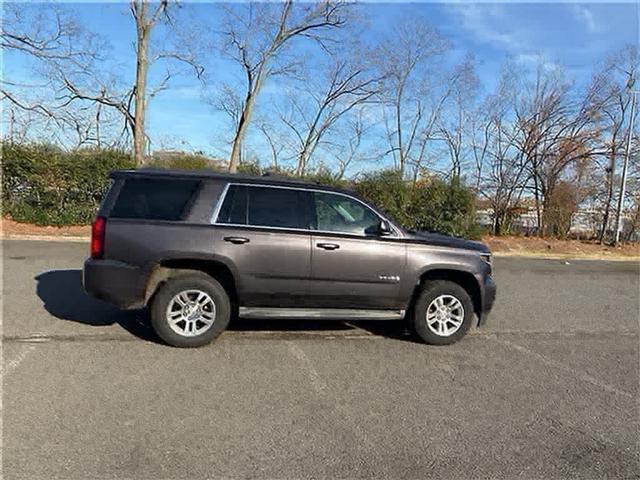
[[488, 298], [115, 282]]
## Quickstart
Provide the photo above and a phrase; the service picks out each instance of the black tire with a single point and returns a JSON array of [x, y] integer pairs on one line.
[[173, 287], [431, 291]]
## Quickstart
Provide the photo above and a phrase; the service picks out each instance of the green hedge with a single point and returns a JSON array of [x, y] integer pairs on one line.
[[47, 186], [428, 204], [43, 185], [183, 161]]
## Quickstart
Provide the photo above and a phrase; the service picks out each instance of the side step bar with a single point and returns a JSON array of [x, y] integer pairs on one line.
[[320, 313]]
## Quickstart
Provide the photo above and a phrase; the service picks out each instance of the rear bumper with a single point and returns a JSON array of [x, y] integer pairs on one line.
[[488, 298], [115, 282]]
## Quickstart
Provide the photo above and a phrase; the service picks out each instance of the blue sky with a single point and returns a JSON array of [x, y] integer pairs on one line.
[[575, 35]]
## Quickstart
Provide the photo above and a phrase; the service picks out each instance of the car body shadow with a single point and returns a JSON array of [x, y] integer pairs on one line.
[[63, 296]]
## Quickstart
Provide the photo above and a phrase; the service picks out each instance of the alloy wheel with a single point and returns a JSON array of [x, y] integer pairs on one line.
[[445, 315], [191, 313]]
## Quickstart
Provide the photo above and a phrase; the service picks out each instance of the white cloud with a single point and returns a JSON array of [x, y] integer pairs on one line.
[[481, 20], [535, 60], [183, 92], [518, 31], [585, 17]]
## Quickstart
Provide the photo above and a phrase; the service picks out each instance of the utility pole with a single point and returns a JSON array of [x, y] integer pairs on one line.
[[623, 182]]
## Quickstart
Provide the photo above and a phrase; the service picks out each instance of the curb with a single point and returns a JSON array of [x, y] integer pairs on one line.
[[561, 256], [46, 238], [533, 255]]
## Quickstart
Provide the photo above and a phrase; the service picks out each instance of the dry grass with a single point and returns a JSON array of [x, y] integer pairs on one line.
[[516, 245], [11, 228]]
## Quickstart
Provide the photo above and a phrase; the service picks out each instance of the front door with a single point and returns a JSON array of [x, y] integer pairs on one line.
[[264, 232], [352, 266]]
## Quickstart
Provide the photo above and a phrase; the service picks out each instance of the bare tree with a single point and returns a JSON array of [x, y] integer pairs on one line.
[[276, 143], [146, 16], [555, 131], [344, 87], [82, 93], [611, 100], [352, 152], [410, 94], [49, 38], [503, 180], [480, 137], [455, 125], [145, 19], [633, 192], [256, 36]]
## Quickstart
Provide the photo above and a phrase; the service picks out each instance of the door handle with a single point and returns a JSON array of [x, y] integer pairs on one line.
[[328, 246], [236, 240]]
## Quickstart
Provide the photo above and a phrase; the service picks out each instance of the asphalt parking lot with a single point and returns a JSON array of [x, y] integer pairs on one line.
[[548, 389]]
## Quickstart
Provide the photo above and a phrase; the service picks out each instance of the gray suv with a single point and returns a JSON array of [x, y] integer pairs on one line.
[[198, 248]]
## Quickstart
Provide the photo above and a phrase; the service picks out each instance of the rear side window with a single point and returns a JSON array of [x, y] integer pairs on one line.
[[154, 199], [234, 208], [276, 207], [264, 207]]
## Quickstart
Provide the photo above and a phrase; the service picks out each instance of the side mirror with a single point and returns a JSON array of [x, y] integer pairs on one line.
[[384, 228]]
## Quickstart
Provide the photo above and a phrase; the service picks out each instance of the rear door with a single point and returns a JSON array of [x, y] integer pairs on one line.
[[352, 266], [264, 231]]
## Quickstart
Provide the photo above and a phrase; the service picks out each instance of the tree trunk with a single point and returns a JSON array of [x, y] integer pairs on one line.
[[308, 149], [308, 145], [243, 123], [302, 162], [607, 205], [304, 154], [234, 160], [98, 140], [536, 193], [139, 138], [497, 225], [399, 133]]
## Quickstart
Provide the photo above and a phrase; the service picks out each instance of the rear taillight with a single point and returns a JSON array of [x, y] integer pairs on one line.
[[97, 237]]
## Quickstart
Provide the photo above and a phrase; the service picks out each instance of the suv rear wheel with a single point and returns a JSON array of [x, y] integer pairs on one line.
[[190, 310], [443, 313]]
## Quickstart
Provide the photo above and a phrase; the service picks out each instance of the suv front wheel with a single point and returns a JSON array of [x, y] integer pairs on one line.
[[190, 310], [443, 312]]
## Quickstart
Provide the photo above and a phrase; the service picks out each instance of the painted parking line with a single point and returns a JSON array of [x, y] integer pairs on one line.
[[342, 416], [584, 377], [318, 384]]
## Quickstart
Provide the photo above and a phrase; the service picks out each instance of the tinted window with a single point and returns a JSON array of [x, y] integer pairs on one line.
[[337, 213], [234, 208], [276, 207], [156, 199]]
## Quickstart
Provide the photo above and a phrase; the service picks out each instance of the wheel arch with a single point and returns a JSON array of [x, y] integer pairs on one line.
[[463, 278], [176, 267]]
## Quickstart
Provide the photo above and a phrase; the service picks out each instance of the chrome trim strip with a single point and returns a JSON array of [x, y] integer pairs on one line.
[[320, 313], [306, 189], [307, 230]]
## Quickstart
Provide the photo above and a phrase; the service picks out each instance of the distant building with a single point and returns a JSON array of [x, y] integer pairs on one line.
[[585, 223]]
